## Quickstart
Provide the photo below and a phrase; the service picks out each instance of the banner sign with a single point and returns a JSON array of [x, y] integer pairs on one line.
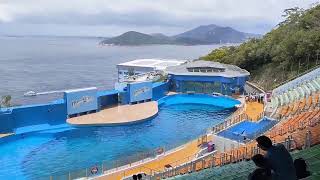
[[140, 91], [81, 100]]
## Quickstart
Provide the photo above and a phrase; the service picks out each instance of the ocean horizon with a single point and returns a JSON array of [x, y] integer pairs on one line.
[[49, 63]]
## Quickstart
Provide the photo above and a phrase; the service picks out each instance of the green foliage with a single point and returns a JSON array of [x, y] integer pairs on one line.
[[217, 54], [291, 48], [5, 101]]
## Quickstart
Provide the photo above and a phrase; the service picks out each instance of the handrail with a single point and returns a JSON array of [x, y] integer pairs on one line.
[[233, 119], [127, 166], [301, 74], [256, 87]]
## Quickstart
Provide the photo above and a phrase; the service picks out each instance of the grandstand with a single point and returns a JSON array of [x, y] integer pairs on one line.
[[296, 108]]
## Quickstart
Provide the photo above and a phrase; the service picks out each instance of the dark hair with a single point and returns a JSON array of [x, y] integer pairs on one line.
[[260, 161], [134, 177], [139, 176], [264, 141]]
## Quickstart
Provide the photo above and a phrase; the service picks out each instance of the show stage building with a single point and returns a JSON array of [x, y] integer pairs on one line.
[[143, 66], [207, 77]]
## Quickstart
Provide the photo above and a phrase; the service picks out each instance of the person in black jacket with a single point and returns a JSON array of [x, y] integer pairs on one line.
[[263, 172], [278, 158]]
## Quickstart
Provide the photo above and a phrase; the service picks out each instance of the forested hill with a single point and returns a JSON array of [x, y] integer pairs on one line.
[[289, 49], [205, 34]]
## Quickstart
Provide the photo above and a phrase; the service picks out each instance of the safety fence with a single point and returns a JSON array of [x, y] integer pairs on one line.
[[127, 162], [237, 117], [230, 121], [293, 81], [255, 87]]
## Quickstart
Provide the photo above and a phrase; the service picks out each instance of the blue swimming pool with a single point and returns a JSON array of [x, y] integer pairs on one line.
[[248, 129], [40, 154]]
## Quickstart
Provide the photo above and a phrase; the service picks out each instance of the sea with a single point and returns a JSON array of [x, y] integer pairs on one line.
[[43, 64]]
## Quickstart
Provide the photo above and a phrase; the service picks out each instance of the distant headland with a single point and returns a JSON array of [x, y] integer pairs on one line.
[[202, 35]]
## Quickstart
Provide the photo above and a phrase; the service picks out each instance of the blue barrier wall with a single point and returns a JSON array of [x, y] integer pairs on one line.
[[55, 112], [52, 113], [123, 97], [7, 124], [159, 90], [81, 100]]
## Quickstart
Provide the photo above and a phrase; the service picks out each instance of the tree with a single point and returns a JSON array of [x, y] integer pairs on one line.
[[5, 101], [288, 49]]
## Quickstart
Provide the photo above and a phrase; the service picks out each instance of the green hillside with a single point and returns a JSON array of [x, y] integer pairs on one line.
[[289, 49]]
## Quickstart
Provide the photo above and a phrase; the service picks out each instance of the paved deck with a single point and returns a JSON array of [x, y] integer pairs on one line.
[[117, 115], [254, 110]]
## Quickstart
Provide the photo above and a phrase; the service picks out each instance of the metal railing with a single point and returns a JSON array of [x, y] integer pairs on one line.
[[297, 76], [108, 167], [234, 118], [254, 86]]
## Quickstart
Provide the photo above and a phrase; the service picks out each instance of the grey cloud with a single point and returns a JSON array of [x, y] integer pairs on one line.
[[246, 15]]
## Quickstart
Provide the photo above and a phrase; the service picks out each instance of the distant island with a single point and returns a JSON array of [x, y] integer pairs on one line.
[[202, 35]]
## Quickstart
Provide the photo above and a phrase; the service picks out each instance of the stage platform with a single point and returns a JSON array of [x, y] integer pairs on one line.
[[118, 115]]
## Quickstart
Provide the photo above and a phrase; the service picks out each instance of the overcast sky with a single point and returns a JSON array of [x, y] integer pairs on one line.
[[113, 17]]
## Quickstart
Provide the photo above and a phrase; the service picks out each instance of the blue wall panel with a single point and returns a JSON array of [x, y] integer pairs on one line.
[[51, 113], [139, 91], [54, 113], [7, 124], [82, 100], [159, 90], [123, 97], [107, 98]]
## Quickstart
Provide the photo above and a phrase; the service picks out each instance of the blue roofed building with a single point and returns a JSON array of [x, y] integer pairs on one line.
[[207, 77]]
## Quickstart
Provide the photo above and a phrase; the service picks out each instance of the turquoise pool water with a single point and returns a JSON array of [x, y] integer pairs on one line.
[[40, 154]]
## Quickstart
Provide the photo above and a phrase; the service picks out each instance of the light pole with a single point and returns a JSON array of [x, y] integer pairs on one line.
[[318, 51], [299, 66], [308, 61]]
